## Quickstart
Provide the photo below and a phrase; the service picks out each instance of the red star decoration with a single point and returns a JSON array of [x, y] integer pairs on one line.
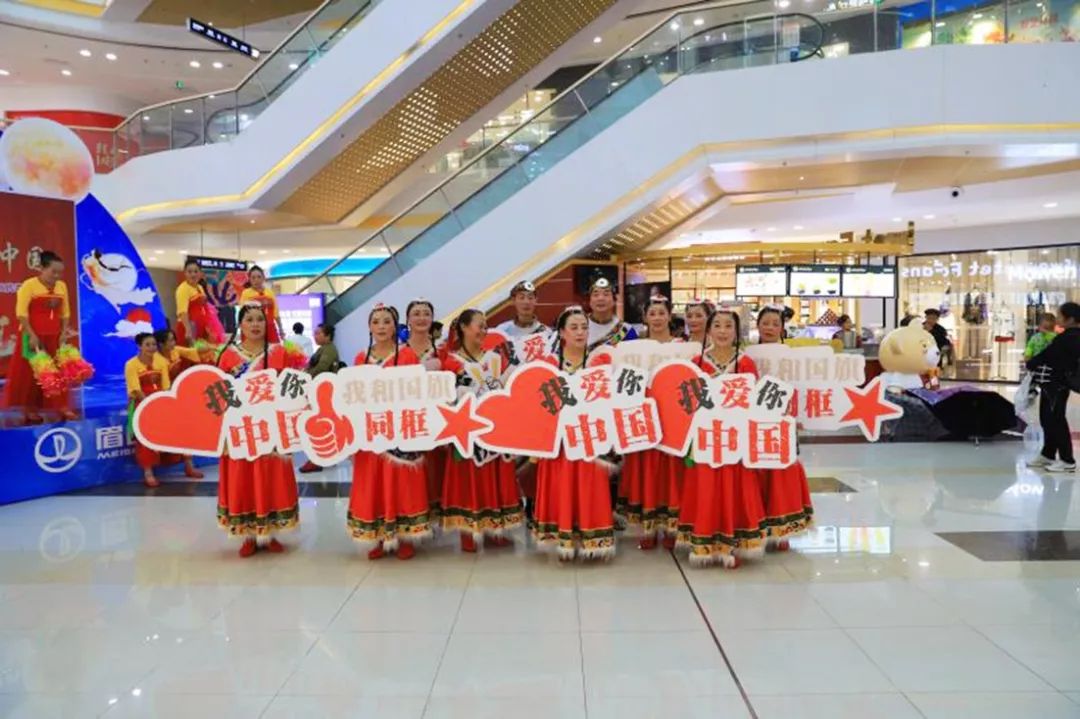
[[461, 425], [869, 409]]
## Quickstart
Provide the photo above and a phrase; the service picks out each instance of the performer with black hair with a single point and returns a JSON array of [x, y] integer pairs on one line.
[[525, 322], [785, 492], [697, 315], [256, 498], [573, 498], [605, 327], [388, 504], [144, 374], [721, 515], [480, 496], [419, 318], [196, 318], [259, 293], [44, 315], [650, 484]]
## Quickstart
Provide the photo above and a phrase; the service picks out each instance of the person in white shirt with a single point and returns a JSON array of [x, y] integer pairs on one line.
[[605, 327], [525, 323], [297, 337]]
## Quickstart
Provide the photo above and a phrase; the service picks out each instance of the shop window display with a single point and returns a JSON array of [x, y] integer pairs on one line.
[[990, 302]]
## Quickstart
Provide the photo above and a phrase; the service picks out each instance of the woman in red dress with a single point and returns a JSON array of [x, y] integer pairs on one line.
[[651, 482], [419, 318], [262, 295], [179, 359], [480, 496], [196, 318], [785, 492], [388, 503], [256, 498], [573, 497], [721, 515], [44, 315]]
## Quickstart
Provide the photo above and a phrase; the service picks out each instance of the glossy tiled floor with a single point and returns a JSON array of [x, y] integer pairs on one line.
[[136, 606]]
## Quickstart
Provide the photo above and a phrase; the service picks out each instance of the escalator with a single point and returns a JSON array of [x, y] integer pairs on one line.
[[692, 42]]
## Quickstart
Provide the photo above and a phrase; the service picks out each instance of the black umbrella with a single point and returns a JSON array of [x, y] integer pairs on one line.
[[975, 413]]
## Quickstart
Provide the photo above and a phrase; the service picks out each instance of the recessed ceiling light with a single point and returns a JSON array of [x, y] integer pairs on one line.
[[85, 53], [797, 227], [897, 219], [65, 72], [218, 65], [243, 117], [598, 39], [110, 56], [287, 252], [771, 229], [699, 21], [210, 97], [4, 73], [159, 252], [253, 222], [1050, 205], [195, 64], [146, 118], [151, 259], [262, 252], [188, 111], [802, 177], [294, 66], [929, 217], [783, 4], [674, 26]]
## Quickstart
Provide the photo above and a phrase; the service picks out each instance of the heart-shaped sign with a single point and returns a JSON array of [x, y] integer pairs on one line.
[[183, 419], [520, 422], [666, 387]]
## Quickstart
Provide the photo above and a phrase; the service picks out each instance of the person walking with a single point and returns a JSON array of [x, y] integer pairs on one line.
[[1053, 370]]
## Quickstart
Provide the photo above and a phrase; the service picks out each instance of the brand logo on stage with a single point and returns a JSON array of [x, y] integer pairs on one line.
[[58, 450]]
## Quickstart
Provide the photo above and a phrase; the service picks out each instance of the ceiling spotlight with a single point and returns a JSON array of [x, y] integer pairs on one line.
[[699, 21], [243, 117], [218, 65], [4, 73], [210, 97], [294, 66], [783, 4], [159, 252], [1050, 205], [939, 24], [897, 219], [262, 252], [188, 111], [287, 252], [674, 26], [110, 56], [929, 217], [195, 63], [797, 227], [252, 222], [65, 72], [146, 118], [598, 39], [801, 178], [85, 53], [770, 229]]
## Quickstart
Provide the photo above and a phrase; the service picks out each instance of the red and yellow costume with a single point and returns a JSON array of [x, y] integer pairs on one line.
[[144, 380], [179, 360], [45, 308], [256, 497], [267, 300], [192, 301], [480, 495], [786, 494], [721, 509], [573, 502], [650, 488], [389, 497]]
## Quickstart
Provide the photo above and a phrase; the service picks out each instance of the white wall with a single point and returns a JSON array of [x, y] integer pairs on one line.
[[563, 210], [986, 237], [230, 168]]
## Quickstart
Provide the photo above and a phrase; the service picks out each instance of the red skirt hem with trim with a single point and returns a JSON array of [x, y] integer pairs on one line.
[[721, 513], [257, 497], [482, 499], [650, 490], [573, 508], [786, 496], [388, 501]]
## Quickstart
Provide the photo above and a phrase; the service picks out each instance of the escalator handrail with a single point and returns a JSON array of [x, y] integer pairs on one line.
[[325, 274]]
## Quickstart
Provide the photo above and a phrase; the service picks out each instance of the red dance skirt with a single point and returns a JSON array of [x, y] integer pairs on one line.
[[388, 501], [257, 498], [650, 489], [573, 508], [148, 458], [204, 320], [721, 512], [435, 467], [786, 496], [481, 499], [22, 390]]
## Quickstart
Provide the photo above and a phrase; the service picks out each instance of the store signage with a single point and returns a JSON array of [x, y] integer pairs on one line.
[[1029, 271], [761, 280], [814, 281], [219, 263], [209, 32], [869, 281]]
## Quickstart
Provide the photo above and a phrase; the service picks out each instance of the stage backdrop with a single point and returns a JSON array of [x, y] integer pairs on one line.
[[45, 174]]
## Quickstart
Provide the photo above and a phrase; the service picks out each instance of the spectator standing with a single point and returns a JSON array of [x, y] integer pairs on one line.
[[1043, 336], [297, 337], [1052, 370]]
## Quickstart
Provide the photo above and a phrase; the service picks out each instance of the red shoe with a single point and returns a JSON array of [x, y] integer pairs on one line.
[[68, 416], [275, 546], [669, 542], [406, 551], [468, 544], [151, 482], [783, 545], [34, 419], [501, 541], [647, 543], [248, 547], [736, 564], [310, 467], [376, 552], [193, 473]]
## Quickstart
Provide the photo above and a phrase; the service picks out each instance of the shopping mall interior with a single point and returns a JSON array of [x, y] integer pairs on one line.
[[890, 185]]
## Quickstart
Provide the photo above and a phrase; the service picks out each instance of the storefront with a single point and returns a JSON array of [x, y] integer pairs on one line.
[[989, 301]]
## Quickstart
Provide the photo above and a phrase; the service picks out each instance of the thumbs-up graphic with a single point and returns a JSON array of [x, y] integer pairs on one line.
[[329, 431]]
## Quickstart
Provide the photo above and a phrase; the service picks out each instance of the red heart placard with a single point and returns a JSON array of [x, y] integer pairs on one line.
[[520, 423], [676, 423], [179, 420]]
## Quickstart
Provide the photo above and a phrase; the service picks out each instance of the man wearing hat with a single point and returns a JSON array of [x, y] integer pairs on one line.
[[524, 324], [605, 327]]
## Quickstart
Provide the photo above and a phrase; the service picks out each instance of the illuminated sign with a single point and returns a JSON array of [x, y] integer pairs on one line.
[[222, 38]]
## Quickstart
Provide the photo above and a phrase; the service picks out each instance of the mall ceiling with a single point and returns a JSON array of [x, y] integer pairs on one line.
[[223, 13]]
